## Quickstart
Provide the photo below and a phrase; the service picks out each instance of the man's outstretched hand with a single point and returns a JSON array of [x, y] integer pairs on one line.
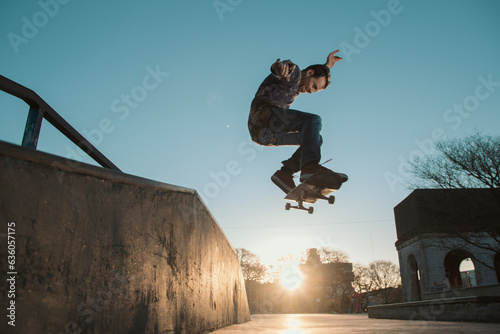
[[332, 59], [282, 69]]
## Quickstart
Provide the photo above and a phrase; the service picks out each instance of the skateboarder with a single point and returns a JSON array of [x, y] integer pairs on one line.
[[273, 123]]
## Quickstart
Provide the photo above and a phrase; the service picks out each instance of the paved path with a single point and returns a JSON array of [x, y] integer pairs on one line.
[[350, 323]]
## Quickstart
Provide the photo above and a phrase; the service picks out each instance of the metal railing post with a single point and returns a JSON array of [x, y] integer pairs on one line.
[[40, 109], [32, 129]]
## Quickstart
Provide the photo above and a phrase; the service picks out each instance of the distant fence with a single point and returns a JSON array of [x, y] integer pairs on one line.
[[39, 109]]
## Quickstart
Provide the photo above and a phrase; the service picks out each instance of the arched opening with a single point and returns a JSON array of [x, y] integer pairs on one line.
[[414, 275], [459, 269], [468, 273], [497, 265]]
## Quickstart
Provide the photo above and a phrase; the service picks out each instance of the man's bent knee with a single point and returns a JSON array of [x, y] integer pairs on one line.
[[316, 119]]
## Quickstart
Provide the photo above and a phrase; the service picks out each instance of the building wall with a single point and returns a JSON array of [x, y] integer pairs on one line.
[[430, 251], [433, 226], [443, 210], [98, 251]]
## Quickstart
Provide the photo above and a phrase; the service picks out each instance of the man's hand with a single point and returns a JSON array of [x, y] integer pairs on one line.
[[332, 59], [281, 69]]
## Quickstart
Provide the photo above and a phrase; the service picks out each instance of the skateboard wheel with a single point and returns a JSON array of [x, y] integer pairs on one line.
[[287, 206], [331, 199], [310, 210]]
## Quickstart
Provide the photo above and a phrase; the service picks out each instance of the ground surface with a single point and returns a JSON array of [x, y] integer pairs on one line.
[[350, 323]]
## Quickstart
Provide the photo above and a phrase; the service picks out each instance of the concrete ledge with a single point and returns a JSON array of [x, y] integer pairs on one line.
[[474, 309], [77, 167], [478, 291], [99, 251]]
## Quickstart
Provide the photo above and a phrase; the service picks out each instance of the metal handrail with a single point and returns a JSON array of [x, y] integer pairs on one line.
[[39, 109]]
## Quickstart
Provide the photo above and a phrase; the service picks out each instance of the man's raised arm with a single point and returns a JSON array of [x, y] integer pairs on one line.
[[332, 59]]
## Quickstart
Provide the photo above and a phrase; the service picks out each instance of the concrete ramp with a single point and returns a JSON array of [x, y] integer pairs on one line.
[[98, 251]]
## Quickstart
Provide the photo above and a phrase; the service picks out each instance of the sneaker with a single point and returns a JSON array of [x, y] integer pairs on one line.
[[309, 170], [283, 180]]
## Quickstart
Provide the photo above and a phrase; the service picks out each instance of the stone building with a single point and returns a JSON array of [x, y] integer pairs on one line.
[[448, 243]]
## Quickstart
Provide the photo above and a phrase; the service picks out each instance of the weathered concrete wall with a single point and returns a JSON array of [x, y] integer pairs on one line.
[[103, 252]]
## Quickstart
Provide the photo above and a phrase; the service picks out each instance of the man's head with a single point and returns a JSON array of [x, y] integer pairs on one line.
[[314, 78]]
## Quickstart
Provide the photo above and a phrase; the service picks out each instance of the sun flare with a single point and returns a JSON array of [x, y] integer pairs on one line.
[[291, 277]]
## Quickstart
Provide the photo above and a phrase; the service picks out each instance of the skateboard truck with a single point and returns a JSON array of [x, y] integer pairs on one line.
[[299, 206], [305, 196]]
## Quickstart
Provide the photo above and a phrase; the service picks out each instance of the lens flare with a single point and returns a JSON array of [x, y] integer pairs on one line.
[[291, 276]]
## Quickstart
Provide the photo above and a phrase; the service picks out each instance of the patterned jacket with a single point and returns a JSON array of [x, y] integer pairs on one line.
[[274, 92]]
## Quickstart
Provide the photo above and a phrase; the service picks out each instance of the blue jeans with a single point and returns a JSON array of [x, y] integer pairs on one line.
[[289, 127]]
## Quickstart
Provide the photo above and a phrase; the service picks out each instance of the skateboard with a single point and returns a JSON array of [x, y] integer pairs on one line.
[[317, 186]]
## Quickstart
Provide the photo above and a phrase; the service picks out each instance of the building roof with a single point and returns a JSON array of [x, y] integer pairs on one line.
[[446, 210]]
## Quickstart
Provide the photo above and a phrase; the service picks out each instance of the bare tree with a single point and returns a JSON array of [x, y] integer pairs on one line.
[[330, 255], [460, 163], [384, 276], [381, 279], [466, 163], [251, 267], [361, 278], [275, 271]]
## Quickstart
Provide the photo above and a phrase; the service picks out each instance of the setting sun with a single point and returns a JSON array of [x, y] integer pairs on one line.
[[291, 277]]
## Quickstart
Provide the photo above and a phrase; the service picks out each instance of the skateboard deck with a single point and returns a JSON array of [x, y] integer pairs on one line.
[[318, 186]]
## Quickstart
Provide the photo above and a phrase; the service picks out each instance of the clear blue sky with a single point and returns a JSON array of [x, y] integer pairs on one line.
[[411, 70]]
